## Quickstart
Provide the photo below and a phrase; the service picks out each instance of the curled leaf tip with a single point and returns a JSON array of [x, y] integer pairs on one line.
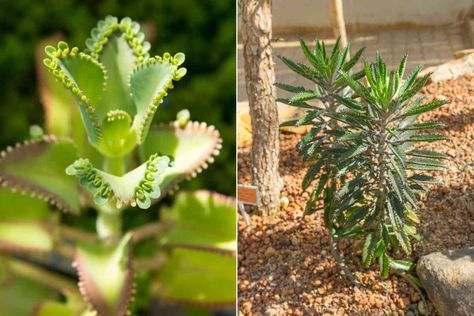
[[136, 188]]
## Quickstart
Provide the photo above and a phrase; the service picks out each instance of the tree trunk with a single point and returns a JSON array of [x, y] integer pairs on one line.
[[256, 31], [337, 20]]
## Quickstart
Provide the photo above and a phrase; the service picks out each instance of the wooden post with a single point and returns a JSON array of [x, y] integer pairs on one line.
[[259, 79]]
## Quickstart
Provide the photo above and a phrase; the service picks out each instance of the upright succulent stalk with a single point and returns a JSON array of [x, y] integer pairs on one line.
[[360, 150]]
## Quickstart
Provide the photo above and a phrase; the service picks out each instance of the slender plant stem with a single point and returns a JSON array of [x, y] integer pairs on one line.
[[150, 264], [74, 234], [109, 218], [341, 262], [115, 166], [151, 230]]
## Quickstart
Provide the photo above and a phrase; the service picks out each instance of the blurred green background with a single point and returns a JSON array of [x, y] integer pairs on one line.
[[203, 30]]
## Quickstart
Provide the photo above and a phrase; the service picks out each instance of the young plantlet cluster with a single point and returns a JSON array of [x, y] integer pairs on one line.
[[106, 96], [363, 151]]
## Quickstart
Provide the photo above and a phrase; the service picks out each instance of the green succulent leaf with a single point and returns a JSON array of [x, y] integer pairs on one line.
[[25, 223], [120, 47], [118, 136], [105, 275], [84, 77], [201, 220], [135, 188], [197, 278], [427, 154], [38, 167], [196, 140], [21, 296], [59, 107], [149, 84]]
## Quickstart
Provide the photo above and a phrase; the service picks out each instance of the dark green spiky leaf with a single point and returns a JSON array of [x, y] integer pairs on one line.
[[424, 107], [105, 275], [368, 249], [424, 179], [425, 125], [427, 154], [38, 167], [349, 102], [310, 209], [195, 140], [197, 278], [426, 161], [311, 173], [428, 137], [308, 118], [201, 220], [304, 96], [402, 66], [290, 88], [302, 105], [410, 80], [354, 59], [384, 265], [149, 84]]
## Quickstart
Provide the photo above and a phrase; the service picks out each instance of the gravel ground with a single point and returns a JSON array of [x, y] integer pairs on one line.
[[285, 263]]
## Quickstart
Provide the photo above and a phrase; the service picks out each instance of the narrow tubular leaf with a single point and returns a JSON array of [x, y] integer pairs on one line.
[[424, 126], [424, 179], [427, 154], [424, 107], [290, 88], [428, 137]]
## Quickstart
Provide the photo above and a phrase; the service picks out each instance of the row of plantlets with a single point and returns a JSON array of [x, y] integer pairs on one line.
[[99, 105], [362, 151]]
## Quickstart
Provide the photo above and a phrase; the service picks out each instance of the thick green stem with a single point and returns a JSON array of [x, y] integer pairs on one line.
[[115, 166], [109, 218], [109, 223]]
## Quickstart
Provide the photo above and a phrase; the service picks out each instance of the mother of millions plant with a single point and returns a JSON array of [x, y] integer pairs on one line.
[[361, 151], [100, 104]]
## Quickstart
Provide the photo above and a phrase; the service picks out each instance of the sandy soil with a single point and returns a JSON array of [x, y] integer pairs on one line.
[[285, 263]]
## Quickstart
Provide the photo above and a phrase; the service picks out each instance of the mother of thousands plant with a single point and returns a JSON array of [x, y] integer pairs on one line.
[[99, 105], [361, 151]]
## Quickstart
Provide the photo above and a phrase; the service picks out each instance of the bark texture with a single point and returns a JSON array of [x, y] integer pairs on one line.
[[337, 20], [256, 31]]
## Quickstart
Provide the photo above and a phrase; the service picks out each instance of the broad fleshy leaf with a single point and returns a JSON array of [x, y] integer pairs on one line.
[[105, 275], [201, 220], [25, 223], [19, 296], [37, 167], [59, 106], [84, 77], [120, 47], [193, 147], [196, 277], [136, 187], [149, 84]]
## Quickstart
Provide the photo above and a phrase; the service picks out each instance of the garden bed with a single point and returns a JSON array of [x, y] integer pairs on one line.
[[285, 263]]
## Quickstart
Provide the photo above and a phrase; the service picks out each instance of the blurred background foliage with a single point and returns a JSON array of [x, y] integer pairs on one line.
[[203, 30]]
